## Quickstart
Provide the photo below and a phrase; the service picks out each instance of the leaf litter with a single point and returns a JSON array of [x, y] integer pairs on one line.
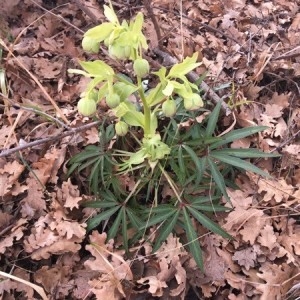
[[251, 53]]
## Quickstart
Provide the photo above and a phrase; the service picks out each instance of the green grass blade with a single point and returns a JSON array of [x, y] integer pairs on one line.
[[165, 229], [218, 178], [239, 163], [212, 120], [206, 222], [237, 134], [244, 153], [95, 221], [194, 245]]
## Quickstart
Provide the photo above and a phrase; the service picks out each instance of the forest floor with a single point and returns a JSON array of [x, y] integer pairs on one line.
[[250, 51]]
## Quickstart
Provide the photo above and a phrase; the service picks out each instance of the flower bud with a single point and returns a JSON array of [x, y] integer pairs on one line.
[[86, 106], [90, 45], [141, 67], [113, 100], [121, 128], [194, 101], [119, 52], [169, 108]]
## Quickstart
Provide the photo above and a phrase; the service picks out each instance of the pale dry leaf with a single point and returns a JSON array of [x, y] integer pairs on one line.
[[9, 174], [69, 195], [104, 288], [277, 190], [15, 234], [8, 285], [34, 204], [267, 237], [92, 136], [51, 236], [274, 275], [246, 258], [110, 265], [214, 265], [156, 286]]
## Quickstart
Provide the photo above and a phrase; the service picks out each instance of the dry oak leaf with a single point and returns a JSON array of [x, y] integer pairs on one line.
[[15, 234], [54, 236], [267, 237], [110, 265], [34, 204], [156, 286], [69, 195], [274, 275], [9, 175], [277, 190], [8, 285], [245, 258], [250, 220]]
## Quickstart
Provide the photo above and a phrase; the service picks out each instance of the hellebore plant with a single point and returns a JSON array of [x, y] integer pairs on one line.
[[126, 42], [196, 163]]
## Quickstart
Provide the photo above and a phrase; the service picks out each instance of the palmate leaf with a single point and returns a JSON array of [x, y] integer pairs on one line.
[[163, 213], [192, 238], [218, 178], [206, 222], [244, 153], [114, 229], [124, 229], [239, 163], [165, 229], [197, 162], [95, 221], [212, 120], [236, 135]]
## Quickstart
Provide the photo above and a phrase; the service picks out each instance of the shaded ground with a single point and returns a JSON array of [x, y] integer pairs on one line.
[[251, 52]]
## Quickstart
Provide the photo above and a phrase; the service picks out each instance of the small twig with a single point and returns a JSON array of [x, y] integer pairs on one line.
[[86, 10], [48, 139], [57, 16], [193, 76], [289, 54], [154, 21]]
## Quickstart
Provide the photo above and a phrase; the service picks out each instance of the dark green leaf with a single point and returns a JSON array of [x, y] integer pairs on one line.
[[95, 221], [192, 238], [124, 229], [237, 134], [113, 231], [206, 222], [218, 178], [244, 153], [213, 119], [239, 163], [165, 229]]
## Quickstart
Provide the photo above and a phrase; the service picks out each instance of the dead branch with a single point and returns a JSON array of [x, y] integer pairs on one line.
[[48, 139]]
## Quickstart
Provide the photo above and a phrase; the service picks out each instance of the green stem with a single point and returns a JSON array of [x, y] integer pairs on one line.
[[147, 111]]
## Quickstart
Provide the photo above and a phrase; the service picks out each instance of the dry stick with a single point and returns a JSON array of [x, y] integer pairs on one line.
[[193, 76], [86, 10], [154, 21], [48, 139]]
